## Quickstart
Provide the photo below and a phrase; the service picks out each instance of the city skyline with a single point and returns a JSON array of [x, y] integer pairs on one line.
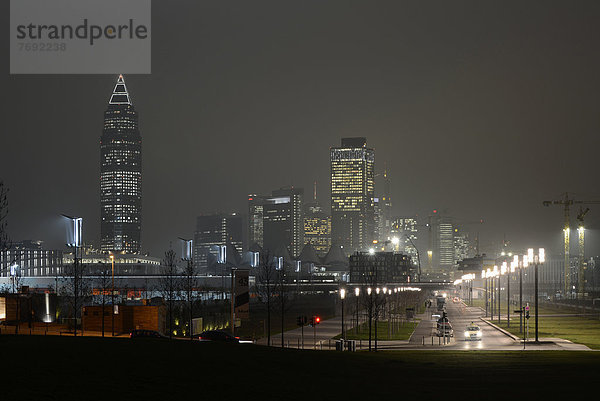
[[495, 152]]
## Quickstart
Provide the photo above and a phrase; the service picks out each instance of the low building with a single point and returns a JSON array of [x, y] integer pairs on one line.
[[127, 318], [380, 268]]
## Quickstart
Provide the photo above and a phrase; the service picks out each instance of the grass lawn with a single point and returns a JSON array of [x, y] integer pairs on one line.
[[577, 329], [400, 331], [60, 368]]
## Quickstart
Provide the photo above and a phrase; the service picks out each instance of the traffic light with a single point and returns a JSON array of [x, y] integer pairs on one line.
[[527, 312], [312, 321], [317, 320]]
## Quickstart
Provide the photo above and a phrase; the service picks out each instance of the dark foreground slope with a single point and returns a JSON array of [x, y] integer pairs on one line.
[[62, 368]]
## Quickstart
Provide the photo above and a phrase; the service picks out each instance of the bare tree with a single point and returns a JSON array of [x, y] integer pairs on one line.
[[372, 300], [104, 283], [75, 288], [189, 285], [4, 239], [266, 283], [283, 299], [169, 284]]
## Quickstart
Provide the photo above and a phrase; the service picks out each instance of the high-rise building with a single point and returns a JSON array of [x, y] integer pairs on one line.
[[352, 194], [215, 239], [462, 245], [256, 205], [405, 229], [442, 240], [283, 225], [385, 211], [317, 230], [120, 175]]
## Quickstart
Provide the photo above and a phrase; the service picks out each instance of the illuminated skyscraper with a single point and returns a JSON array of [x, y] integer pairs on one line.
[[352, 194], [120, 175]]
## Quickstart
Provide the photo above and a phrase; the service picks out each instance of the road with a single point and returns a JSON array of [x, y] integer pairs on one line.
[[460, 317], [424, 337]]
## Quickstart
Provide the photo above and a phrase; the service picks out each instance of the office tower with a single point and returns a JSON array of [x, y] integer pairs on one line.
[[317, 230], [384, 211], [217, 240], [283, 225], [377, 221], [462, 245], [405, 229], [255, 219], [317, 226], [120, 175], [442, 243], [352, 195]]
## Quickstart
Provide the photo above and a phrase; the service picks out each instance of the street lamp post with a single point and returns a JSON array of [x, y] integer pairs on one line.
[[357, 293], [524, 264], [342, 296], [112, 295], [538, 259], [484, 278], [75, 244]]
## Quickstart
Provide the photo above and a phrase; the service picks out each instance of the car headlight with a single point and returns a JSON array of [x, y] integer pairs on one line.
[[467, 334]]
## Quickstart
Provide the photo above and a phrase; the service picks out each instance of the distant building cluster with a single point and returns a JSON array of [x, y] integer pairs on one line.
[[299, 232]]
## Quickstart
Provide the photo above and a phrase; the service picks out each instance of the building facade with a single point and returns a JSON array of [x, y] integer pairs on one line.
[[283, 222], [120, 175], [380, 268], [317, 230], [214, 239], [406, 230], [29, 259], [352, 194]]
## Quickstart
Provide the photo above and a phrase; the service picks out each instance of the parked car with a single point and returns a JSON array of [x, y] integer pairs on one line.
[[218, 335], [145, 334]]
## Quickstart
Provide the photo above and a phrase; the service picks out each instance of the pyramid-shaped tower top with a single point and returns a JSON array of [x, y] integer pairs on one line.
[[120, 94]]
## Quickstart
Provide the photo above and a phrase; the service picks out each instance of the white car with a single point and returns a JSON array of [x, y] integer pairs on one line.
[[473, 333]]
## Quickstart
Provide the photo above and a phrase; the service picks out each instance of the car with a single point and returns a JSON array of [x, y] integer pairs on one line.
[[218, 335], [473, 332], [145, 334]]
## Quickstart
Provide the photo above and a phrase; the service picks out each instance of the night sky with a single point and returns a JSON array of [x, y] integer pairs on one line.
[[480, 109]]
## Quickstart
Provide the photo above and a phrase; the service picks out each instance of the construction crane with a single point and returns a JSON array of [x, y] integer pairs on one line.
[[566, 203]]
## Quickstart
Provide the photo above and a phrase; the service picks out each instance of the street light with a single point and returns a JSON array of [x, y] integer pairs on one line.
[[538, 259], [524, 264], [75, 243], [112, 295], [357, 293], [342, 296]]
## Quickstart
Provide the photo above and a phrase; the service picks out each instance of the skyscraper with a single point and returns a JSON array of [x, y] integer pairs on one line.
[[442, 242], [217, 239], [317, 228], [120, 175], [406, 230], [256, 205], [283, 225], [352, 194]]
